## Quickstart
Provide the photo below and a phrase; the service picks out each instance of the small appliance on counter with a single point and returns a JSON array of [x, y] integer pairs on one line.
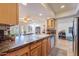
[[5, 37], [4, 33], [1, 35]]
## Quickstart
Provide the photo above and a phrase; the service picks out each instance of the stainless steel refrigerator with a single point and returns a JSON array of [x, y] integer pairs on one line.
[[75, 36]]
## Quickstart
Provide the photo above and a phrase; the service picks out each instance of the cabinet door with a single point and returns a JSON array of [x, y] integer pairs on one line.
[[44, 47], [21, 52], [13, 13], [51, 23], [48, 46], [8, 13], [36, 51]]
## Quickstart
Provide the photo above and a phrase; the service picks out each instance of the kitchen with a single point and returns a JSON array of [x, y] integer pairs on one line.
[[38, 29], [21, 31]]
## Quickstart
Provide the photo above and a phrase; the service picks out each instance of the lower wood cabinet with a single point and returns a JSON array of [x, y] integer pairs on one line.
[[21, 52], [25, 54], [44, 47], [36, 51], [40, 48], [48, 45]]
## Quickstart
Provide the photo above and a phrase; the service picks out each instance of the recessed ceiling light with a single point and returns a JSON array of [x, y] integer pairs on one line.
[[40, 14], [24, 3], [62, 6]]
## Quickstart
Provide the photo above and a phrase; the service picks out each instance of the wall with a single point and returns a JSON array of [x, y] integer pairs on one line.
[[22, 26], [33, 12], [65, 14], [64, 24]]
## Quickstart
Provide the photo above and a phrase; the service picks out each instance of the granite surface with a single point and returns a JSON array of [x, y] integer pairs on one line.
[[19, 41]]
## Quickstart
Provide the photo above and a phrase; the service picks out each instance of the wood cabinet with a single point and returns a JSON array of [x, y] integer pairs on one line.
[[40, 48], [44, 47], [51, 23], [36, 51], [21, 52], [48, 45], [9, 13]]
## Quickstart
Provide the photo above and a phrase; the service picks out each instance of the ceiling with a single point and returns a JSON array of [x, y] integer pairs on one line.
[[36, 13], [33, 10], [56, 7], [47, 10]]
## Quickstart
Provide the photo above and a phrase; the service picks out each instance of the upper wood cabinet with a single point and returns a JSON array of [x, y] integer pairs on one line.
[[9, 13], [51, 23]]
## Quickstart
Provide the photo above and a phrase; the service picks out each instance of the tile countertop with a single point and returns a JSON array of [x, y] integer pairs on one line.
[[20, 41]]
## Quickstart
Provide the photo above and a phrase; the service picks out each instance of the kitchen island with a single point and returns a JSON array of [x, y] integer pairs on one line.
[[26, 45]]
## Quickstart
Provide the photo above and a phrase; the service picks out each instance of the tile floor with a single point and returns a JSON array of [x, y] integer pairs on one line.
[[65, 45], [63, 48], [58, 52]]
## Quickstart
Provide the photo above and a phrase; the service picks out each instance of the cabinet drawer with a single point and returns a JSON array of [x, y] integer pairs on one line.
[[19, 52], [34, 45]]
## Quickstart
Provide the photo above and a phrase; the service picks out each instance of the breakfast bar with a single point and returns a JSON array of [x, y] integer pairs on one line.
[[26, 45]]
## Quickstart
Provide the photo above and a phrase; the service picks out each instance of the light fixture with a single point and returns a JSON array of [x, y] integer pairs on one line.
[[25, 21], [62, 6], [24, 3], [40, 14], [28, 19]]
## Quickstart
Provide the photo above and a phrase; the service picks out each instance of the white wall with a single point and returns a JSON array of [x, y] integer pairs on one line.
[[65, 14], [38, 22], [22, 26], [64, 24], [33, 11]]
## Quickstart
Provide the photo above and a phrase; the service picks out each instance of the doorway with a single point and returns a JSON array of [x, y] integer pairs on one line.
[[37, 30]]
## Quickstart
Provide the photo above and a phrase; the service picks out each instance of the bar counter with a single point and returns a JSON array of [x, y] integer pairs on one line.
[[20, 41]]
